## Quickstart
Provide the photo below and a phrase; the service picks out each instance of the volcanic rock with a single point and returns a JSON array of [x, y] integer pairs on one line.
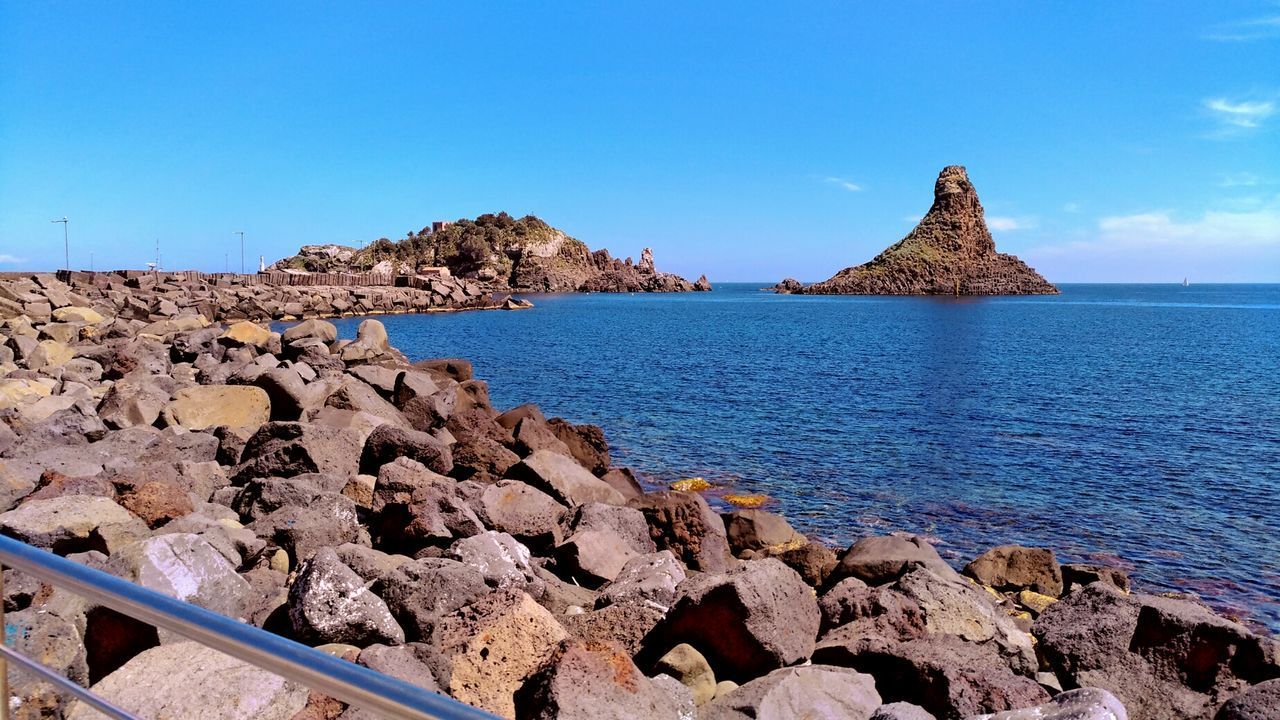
[[950, 252]]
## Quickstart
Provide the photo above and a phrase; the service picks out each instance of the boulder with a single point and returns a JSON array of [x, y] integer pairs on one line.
[[956, 607], [586, 443], [593, 557], [370, 344], [186, 567], [1165, 658], [751, 529], [156, 503], [188, 680], [73, 523], [816, 691], [627, 523], [684, 524], [893, 614], [883, 559], [207, 406], [1078, 575], [245, 333], [1011, 568], [490, 648], [320, 329], [387, 443], [564, 479], [329, 603], [135, 400], [813, 560], [1260, 702], [503, 562], [592, 682], [624, 625], [901, 711], [300, 531], [51, 641], [1080, 704], [420, 592], [528, 514], [649, 579], [757, 617], [684, 663], [285, 449], [947, 676]]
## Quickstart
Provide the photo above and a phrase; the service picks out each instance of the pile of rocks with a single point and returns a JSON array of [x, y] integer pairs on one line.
[[160, 297], [335, 493]]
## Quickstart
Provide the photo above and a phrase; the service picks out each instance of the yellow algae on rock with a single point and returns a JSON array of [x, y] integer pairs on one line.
[[745, 500], [1034, 601], [693, 484]]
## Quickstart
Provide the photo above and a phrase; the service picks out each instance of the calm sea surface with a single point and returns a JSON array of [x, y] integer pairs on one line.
[[1133, 424]]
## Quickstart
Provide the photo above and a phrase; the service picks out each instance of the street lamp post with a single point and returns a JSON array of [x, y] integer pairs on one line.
[[241, 234], [66, 243]]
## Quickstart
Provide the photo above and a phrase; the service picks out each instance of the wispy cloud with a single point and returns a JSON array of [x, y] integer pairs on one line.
[[6, 259], [1071, 207], [1009, 224], [1259, 28], [1213, 229], [1246, 114], [1242, 179], [844, 183]]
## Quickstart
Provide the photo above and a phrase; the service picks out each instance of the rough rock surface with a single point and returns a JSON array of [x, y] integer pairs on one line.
[[752, 619], [188, 680], [816, 691], [1080, 704], [950, 252]]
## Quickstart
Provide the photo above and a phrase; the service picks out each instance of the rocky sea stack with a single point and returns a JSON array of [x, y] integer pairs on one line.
[[524, 254], [950, 252]]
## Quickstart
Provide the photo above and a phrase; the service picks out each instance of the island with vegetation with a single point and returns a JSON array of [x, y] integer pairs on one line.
[[524, 254]]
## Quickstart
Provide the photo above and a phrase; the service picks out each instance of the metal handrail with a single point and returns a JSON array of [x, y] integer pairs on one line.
[[346, 681]]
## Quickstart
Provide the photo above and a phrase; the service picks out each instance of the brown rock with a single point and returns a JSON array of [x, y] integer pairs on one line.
[[156, 503], [950, 252], [1010, 568]]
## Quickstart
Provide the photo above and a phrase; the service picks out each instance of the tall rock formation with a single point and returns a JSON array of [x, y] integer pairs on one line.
[[949, 253]]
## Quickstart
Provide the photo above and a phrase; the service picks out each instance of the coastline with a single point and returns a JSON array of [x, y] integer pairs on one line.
[[430, 470]]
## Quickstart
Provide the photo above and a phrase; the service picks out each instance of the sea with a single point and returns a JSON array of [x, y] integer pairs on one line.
[[1129, 425]]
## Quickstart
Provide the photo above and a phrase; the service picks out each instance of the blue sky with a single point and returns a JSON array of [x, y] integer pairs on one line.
[[1135, 141]]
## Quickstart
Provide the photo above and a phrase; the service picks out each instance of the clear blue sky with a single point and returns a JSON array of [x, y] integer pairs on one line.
[[1133, 141]]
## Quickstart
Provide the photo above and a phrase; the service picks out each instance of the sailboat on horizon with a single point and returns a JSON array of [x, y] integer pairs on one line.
[[1185, 282]]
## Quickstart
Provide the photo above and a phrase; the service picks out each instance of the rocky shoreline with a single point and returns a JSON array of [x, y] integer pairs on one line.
[[336, 493]]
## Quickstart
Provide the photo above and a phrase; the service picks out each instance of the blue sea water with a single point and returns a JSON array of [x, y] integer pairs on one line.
[[1130, 424]]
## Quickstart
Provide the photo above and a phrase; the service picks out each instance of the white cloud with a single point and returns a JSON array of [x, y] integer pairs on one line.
[[846, 184], [1009, 224], [1244, 179], [1071, 207], [1259, 28], [1162, 246], [1242, 114], [6, 259]]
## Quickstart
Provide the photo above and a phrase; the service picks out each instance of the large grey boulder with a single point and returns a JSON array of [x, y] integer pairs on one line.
[[755, 618], [1079, 704], [387, 442], [190, 681], [561, 477], [593, 557], [285, 449], [1164, 658], [650, 579], [954, 606], [882, 559], [501, 560], [949, 677], [73, 523], [526, 513], [329, 603], [421, 592], [186, 567], [815, 691]]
